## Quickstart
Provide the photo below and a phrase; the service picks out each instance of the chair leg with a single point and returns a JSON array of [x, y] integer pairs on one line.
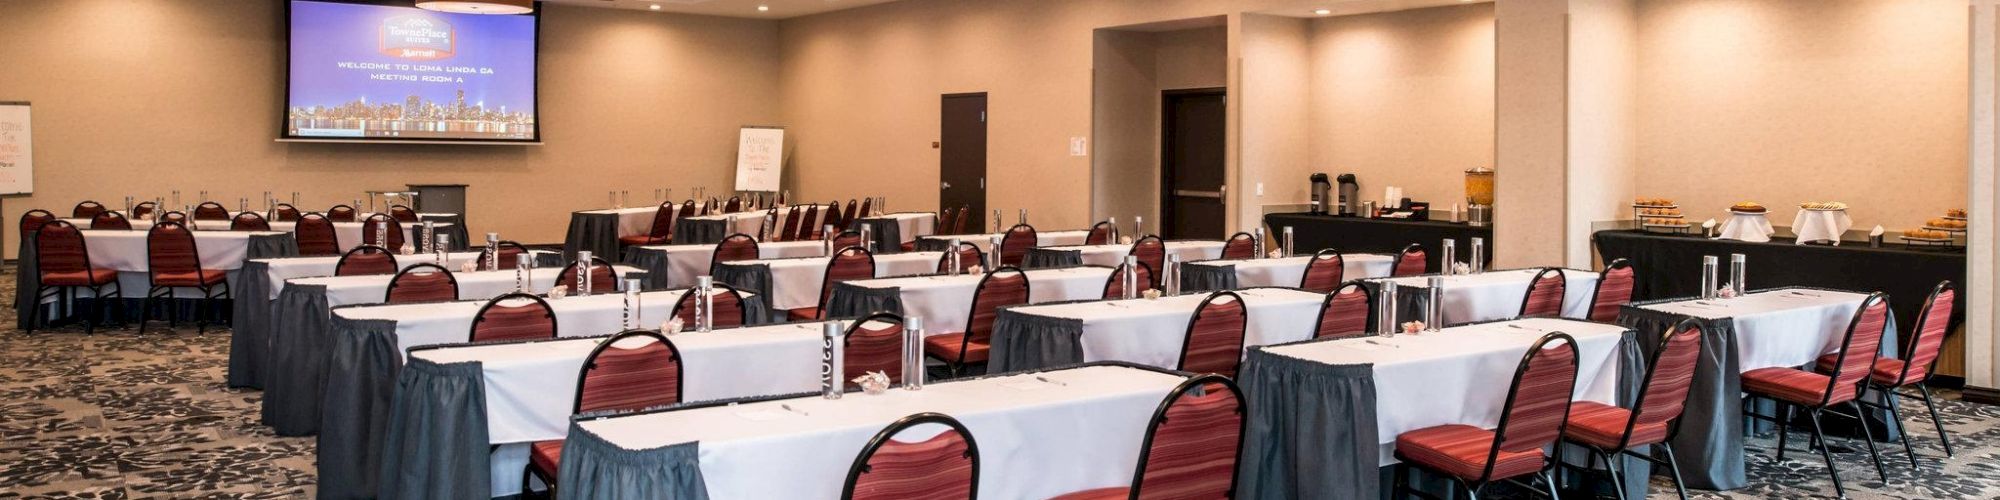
[[1932, 406], [1784, 425], [96, 311], [1617, 478], [1868, 436], [1549, 479], [1674, 466], [145, 311], [1398, 489], [1889, 401], [1826, 454]]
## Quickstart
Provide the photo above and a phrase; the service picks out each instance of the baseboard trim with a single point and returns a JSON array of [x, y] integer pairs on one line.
[[1982, 395]]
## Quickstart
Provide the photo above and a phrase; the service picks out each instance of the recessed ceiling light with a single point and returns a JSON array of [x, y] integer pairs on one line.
[[763, 8], [655, 7], [1322, 11]]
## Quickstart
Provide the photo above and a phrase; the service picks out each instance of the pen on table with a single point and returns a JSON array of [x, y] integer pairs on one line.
[[790, 409], [1046, 379]]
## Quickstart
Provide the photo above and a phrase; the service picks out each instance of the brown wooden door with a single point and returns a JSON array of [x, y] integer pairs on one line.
[[1191, 171], [962, 157]]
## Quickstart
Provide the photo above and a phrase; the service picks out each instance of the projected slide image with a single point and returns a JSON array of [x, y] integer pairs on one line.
[[385, 72]]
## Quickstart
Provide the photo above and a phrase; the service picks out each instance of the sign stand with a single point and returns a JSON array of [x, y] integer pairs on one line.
[[17, 153]]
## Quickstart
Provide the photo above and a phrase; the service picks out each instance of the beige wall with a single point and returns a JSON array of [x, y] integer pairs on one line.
[[139, 98], [1277, 77], [1603, 120], [1131, 69], [1530, 132], [1404, 99], [1861, 101]]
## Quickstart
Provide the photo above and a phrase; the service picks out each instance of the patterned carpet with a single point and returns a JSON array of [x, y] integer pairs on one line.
[[117, 415]]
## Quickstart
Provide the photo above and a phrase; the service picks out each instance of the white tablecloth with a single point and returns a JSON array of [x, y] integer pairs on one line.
[[1290, 271], [1755, 228], [1042, 239], [1114, 254], [912, 225], [278, 271], [372, 289], [1460, 375], [686, 262], [347, 234], [1150, 332], [795, 283], [1470, 298], [1784, 327], [1821, 225], [945, 301], [125, 251], [633, 221], [1036, 439]]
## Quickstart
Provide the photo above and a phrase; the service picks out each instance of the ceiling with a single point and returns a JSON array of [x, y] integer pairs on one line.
[[780, 9], [1353, 7]]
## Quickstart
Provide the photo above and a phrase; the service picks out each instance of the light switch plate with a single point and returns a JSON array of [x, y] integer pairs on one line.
[[1260, 189], [1079, 146]]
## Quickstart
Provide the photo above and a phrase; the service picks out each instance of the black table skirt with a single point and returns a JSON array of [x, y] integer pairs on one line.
[[27, 274], [700, 231], [1670, 266], [596, 233], [887, 233], [1312, 233]]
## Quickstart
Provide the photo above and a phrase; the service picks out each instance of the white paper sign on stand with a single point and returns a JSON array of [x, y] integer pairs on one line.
[[17, 149], [760, 158]]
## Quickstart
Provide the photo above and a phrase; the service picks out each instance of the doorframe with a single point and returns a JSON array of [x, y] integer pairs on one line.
[[986, 160], [1166, 193]]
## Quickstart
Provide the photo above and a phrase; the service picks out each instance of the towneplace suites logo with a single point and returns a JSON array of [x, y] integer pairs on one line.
[[417, 38]]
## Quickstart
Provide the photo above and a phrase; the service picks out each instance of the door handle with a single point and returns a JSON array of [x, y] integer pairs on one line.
[[1198, 194], [1222, 194], [945, 185]]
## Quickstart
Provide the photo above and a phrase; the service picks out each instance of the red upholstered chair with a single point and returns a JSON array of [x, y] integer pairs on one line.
[[1324, 272], [110, 220], [1153, 253], [851, 263], [846, 239], [833, 218], [1191, 446], [968, 256], [1000, 288], [395, 233], [964, 215], [807, 224], [1534, 416], [1114, 287], [173, 261], [209, 210], [1410, 261], [145, 208], [1614, 290], [735, 204], [63, 261], [249, 221], [1890, 374], [631, 371], [1545, 295], [1344, 313], [1817, 393], [422, 283], [510, 255], [944, 467], [865, 207], [1240, 246], [729, 310], [285, 212], [603, 277], [86, 209], [874, 344], [687, 210], [847, 216], [32, 222], [531, 318], [1015, 244], [404, 214], [791, 227], [736, 247], [366, 260], [944, 218], [173, 216], [340, 213], [316, 236], [1101, 233], [1214, 341], [660, 233], [1609, 431]]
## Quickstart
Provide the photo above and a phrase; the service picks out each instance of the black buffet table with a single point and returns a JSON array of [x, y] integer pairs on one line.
[[1670, 266], [1314, 232]]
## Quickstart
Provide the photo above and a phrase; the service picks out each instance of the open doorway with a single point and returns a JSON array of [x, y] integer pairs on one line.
[[1142, 75]]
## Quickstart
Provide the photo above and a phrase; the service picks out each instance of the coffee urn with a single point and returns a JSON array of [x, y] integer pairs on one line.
[[1350, 194], [1320, 188]]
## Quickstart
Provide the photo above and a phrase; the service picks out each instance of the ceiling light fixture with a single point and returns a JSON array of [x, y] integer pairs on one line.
[[655, 7], [1322, 12], [763, 8], [478, 6]]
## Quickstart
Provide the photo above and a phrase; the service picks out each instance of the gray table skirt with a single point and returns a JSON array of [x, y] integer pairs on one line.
[[931, 244], [461, 238], [850, 301], [1312, 430], [381, 415], [595, 233], [745, 277], [887, 233], [299, 339], [1206, 277], [700, 231], [1710, 440], [1048, 258], [1024, 341], [27, 272], [651, 260]]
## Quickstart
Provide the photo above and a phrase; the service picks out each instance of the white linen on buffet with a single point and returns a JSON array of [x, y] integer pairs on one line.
[[795, 283], [371, 289], [1080, 429], [1460, 375], [1150, 331], [1042, 239], [1471, 298], [1821, 225], [1778, 328], [1755, 228], [633, 221], [687, 262], [531, 387], [1291, 271], [1114, 254], [945, 301]]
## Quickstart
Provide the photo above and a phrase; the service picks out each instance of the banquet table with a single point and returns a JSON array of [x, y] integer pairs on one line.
[[1113, 255], [677, 266], [125, 251], [1142, 331], [301, 335], [1067, 430], [945, 301], [597, 231], [1782, 327], [893, 230], [256, 291], [369, 342], [347, 235], [1324, 414], [1315, 232], [1486, 296], [937, 243], [796, 283], [711, 229], [1229, 274]]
